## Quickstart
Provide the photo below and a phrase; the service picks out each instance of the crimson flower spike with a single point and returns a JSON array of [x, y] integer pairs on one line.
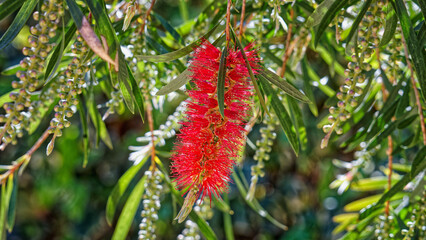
[[208, 144]]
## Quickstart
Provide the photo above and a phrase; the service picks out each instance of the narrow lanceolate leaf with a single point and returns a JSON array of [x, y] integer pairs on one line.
[[9, 6], [328, 16], [167, 57], [227, 221], [18, 22], [84, 129], [55, 59], [6, 194], [390, 27], [129, 211], [364, 202], [168, 27], [416, 50], [88, 33], [102, 131], [307, 88], [419, 162], [176, 83], [119, 189], [12, 204], [136, 92], [282, 114], [221, 82], [283, 85], [319, 13], [12, 70]]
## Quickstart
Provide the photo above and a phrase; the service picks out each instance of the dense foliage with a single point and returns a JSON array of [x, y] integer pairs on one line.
[[295, 119]]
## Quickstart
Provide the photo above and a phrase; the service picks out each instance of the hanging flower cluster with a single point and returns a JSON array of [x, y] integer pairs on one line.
[[209, 143]]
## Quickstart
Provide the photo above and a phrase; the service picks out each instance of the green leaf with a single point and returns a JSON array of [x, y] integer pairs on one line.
[[129, 211], [18, 22], [386, 113], [364, 202], [167, 57], [283, 85], [403, 102], [9, 6], [137, 93], [56, 57], [126, 92], [297, 118], [100, 126], [168, 27], [358, 19], [227, 221], [390, 27], [119, 189], [282, 114], [221, 82], [371, 184], [307, 88], [12, 203], [85, 130], [176, 83], [327, 13], [416, 50], [319, 13], [12, 70], [419, 162], [6, 97], [254, 204], [6, 194], [387, 130]]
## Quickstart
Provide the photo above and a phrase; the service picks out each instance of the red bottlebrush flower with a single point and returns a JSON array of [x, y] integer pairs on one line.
[[208, 144]]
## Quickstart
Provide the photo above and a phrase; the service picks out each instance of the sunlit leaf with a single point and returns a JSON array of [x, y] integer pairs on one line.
[[176, 83], [117, 192], [221, 82], [129, 211], [18, 22]]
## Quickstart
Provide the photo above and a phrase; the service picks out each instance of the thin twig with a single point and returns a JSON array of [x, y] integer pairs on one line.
[[390, 161], [27, 156], [288, 48], [416, 92], [228, 17], [146, 16], [243, 12], [151, 129]]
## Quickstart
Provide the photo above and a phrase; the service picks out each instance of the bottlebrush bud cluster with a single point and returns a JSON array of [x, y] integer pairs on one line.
[[356, 72], [209, 143], [22, 110]]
